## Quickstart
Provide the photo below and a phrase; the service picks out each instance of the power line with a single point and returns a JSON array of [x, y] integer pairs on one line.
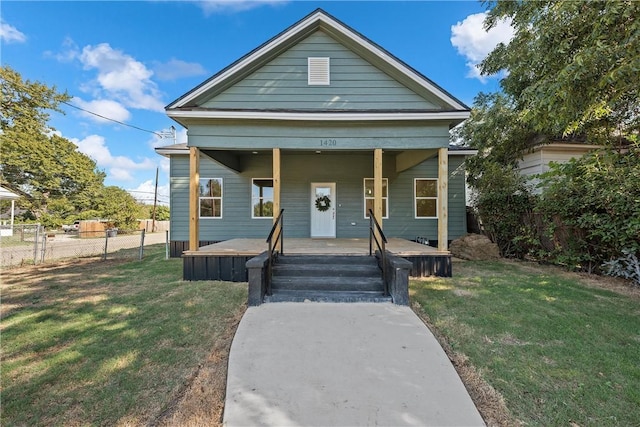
[[24, 86], [111, 120]]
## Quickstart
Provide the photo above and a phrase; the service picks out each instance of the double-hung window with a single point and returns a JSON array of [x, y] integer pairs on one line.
[[262, 198], [426, 197], [369, 197], [210, 198]]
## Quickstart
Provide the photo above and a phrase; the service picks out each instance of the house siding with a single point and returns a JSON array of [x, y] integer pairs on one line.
[[531, 164], [402, 221], [306, 136], [299, 170], [355, 84]]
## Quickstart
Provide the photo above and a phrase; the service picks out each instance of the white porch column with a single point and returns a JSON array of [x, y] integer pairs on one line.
[[194, 197], [443, 198], [13, 210]]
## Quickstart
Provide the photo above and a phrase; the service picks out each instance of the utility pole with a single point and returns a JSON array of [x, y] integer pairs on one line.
[[155, 203], [171, 133]]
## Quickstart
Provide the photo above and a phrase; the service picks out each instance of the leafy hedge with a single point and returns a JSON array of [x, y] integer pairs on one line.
[[597, 198], [588, 212], [503, 200]]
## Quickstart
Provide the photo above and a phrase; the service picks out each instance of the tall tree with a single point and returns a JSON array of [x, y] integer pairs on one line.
[[496, 131], [120, 208], [572, 69], [572, 66], [36, 162], [26, 104]]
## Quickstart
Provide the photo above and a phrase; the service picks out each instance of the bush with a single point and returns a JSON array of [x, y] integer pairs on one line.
[[627, 266], [597, 199], [505, 206]]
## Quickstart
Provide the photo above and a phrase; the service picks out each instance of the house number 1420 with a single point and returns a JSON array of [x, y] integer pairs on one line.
[[328, 142]]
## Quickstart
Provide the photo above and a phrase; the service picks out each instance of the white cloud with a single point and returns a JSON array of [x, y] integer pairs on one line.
[[181, 138], [10, 34], [104, 107], [145, 193], [165, 164], [70, 51], [119, 167], [175, 69], [215, 6], [122, 77], [474, 43]]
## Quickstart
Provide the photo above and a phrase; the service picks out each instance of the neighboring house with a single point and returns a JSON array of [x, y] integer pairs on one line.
[[7, 229], [324, 123], [536, 161]]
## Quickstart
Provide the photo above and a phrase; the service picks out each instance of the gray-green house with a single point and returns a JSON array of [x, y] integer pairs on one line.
[[324, 123]]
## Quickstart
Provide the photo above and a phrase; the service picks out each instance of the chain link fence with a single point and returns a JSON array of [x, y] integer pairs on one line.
[[31, 244]]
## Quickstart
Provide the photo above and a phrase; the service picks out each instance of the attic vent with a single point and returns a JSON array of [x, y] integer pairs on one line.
[[318, 71]]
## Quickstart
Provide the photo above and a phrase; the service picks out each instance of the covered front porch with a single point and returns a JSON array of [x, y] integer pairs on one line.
[[407, 191]]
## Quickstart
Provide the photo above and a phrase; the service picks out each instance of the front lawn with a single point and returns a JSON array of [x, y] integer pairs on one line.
[[560, 348], [93, 342]]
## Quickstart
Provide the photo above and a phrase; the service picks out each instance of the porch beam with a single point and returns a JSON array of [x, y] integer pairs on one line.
[[443, 198], [377, 185], [276, 190], [194, 193]]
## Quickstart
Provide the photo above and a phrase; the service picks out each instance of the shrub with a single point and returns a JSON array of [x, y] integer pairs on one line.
[[504, 203], [597, 199], [627, 266]]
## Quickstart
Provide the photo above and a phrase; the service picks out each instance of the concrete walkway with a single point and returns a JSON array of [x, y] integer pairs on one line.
[[324, 364]]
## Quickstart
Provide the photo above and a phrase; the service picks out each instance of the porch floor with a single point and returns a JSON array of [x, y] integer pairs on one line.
[[301, 246]]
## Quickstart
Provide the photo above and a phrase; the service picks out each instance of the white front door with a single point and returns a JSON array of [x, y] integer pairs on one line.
[[323, 209]]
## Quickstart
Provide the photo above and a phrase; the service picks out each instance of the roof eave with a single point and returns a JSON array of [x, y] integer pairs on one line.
[[453, 116]]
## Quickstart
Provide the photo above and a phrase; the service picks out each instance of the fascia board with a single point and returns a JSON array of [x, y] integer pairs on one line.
[[168, 153], [335, 117], [463, 152]]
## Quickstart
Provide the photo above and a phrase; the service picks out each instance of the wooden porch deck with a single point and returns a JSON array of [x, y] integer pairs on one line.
[[226, 260], [299, 246]]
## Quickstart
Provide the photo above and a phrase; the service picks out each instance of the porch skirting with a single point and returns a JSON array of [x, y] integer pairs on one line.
[[227, 260], [228, 268]]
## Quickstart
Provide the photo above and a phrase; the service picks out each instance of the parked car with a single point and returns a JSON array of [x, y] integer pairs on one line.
[[71, 228]]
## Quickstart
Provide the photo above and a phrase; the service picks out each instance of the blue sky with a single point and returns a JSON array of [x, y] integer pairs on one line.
[[126, 60]]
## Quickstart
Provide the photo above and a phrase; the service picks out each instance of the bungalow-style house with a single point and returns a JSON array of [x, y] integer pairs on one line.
[[321, 122]]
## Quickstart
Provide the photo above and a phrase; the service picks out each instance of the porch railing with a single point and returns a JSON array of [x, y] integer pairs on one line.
[[275, 236], [381, 244]]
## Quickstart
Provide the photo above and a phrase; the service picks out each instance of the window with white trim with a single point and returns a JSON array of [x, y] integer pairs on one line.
[[369, 197], [210, 201], [262, 198], [425, 191], [318, 71]]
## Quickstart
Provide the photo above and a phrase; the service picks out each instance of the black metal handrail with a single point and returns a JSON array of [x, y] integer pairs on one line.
[[273, 245], [381, 246]]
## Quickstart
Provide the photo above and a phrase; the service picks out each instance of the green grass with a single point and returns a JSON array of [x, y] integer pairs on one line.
[[557, 350], [104, 343]]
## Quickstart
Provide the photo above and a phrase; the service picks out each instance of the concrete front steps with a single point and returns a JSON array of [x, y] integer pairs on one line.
[[327, 278]]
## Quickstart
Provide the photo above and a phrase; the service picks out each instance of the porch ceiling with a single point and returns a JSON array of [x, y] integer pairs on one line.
[[404, 159]]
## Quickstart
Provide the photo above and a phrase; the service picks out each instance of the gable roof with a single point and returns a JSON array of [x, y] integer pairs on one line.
[[319, 19]]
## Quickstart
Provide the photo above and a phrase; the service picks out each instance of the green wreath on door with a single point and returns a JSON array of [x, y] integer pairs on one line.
[[323, 203]]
